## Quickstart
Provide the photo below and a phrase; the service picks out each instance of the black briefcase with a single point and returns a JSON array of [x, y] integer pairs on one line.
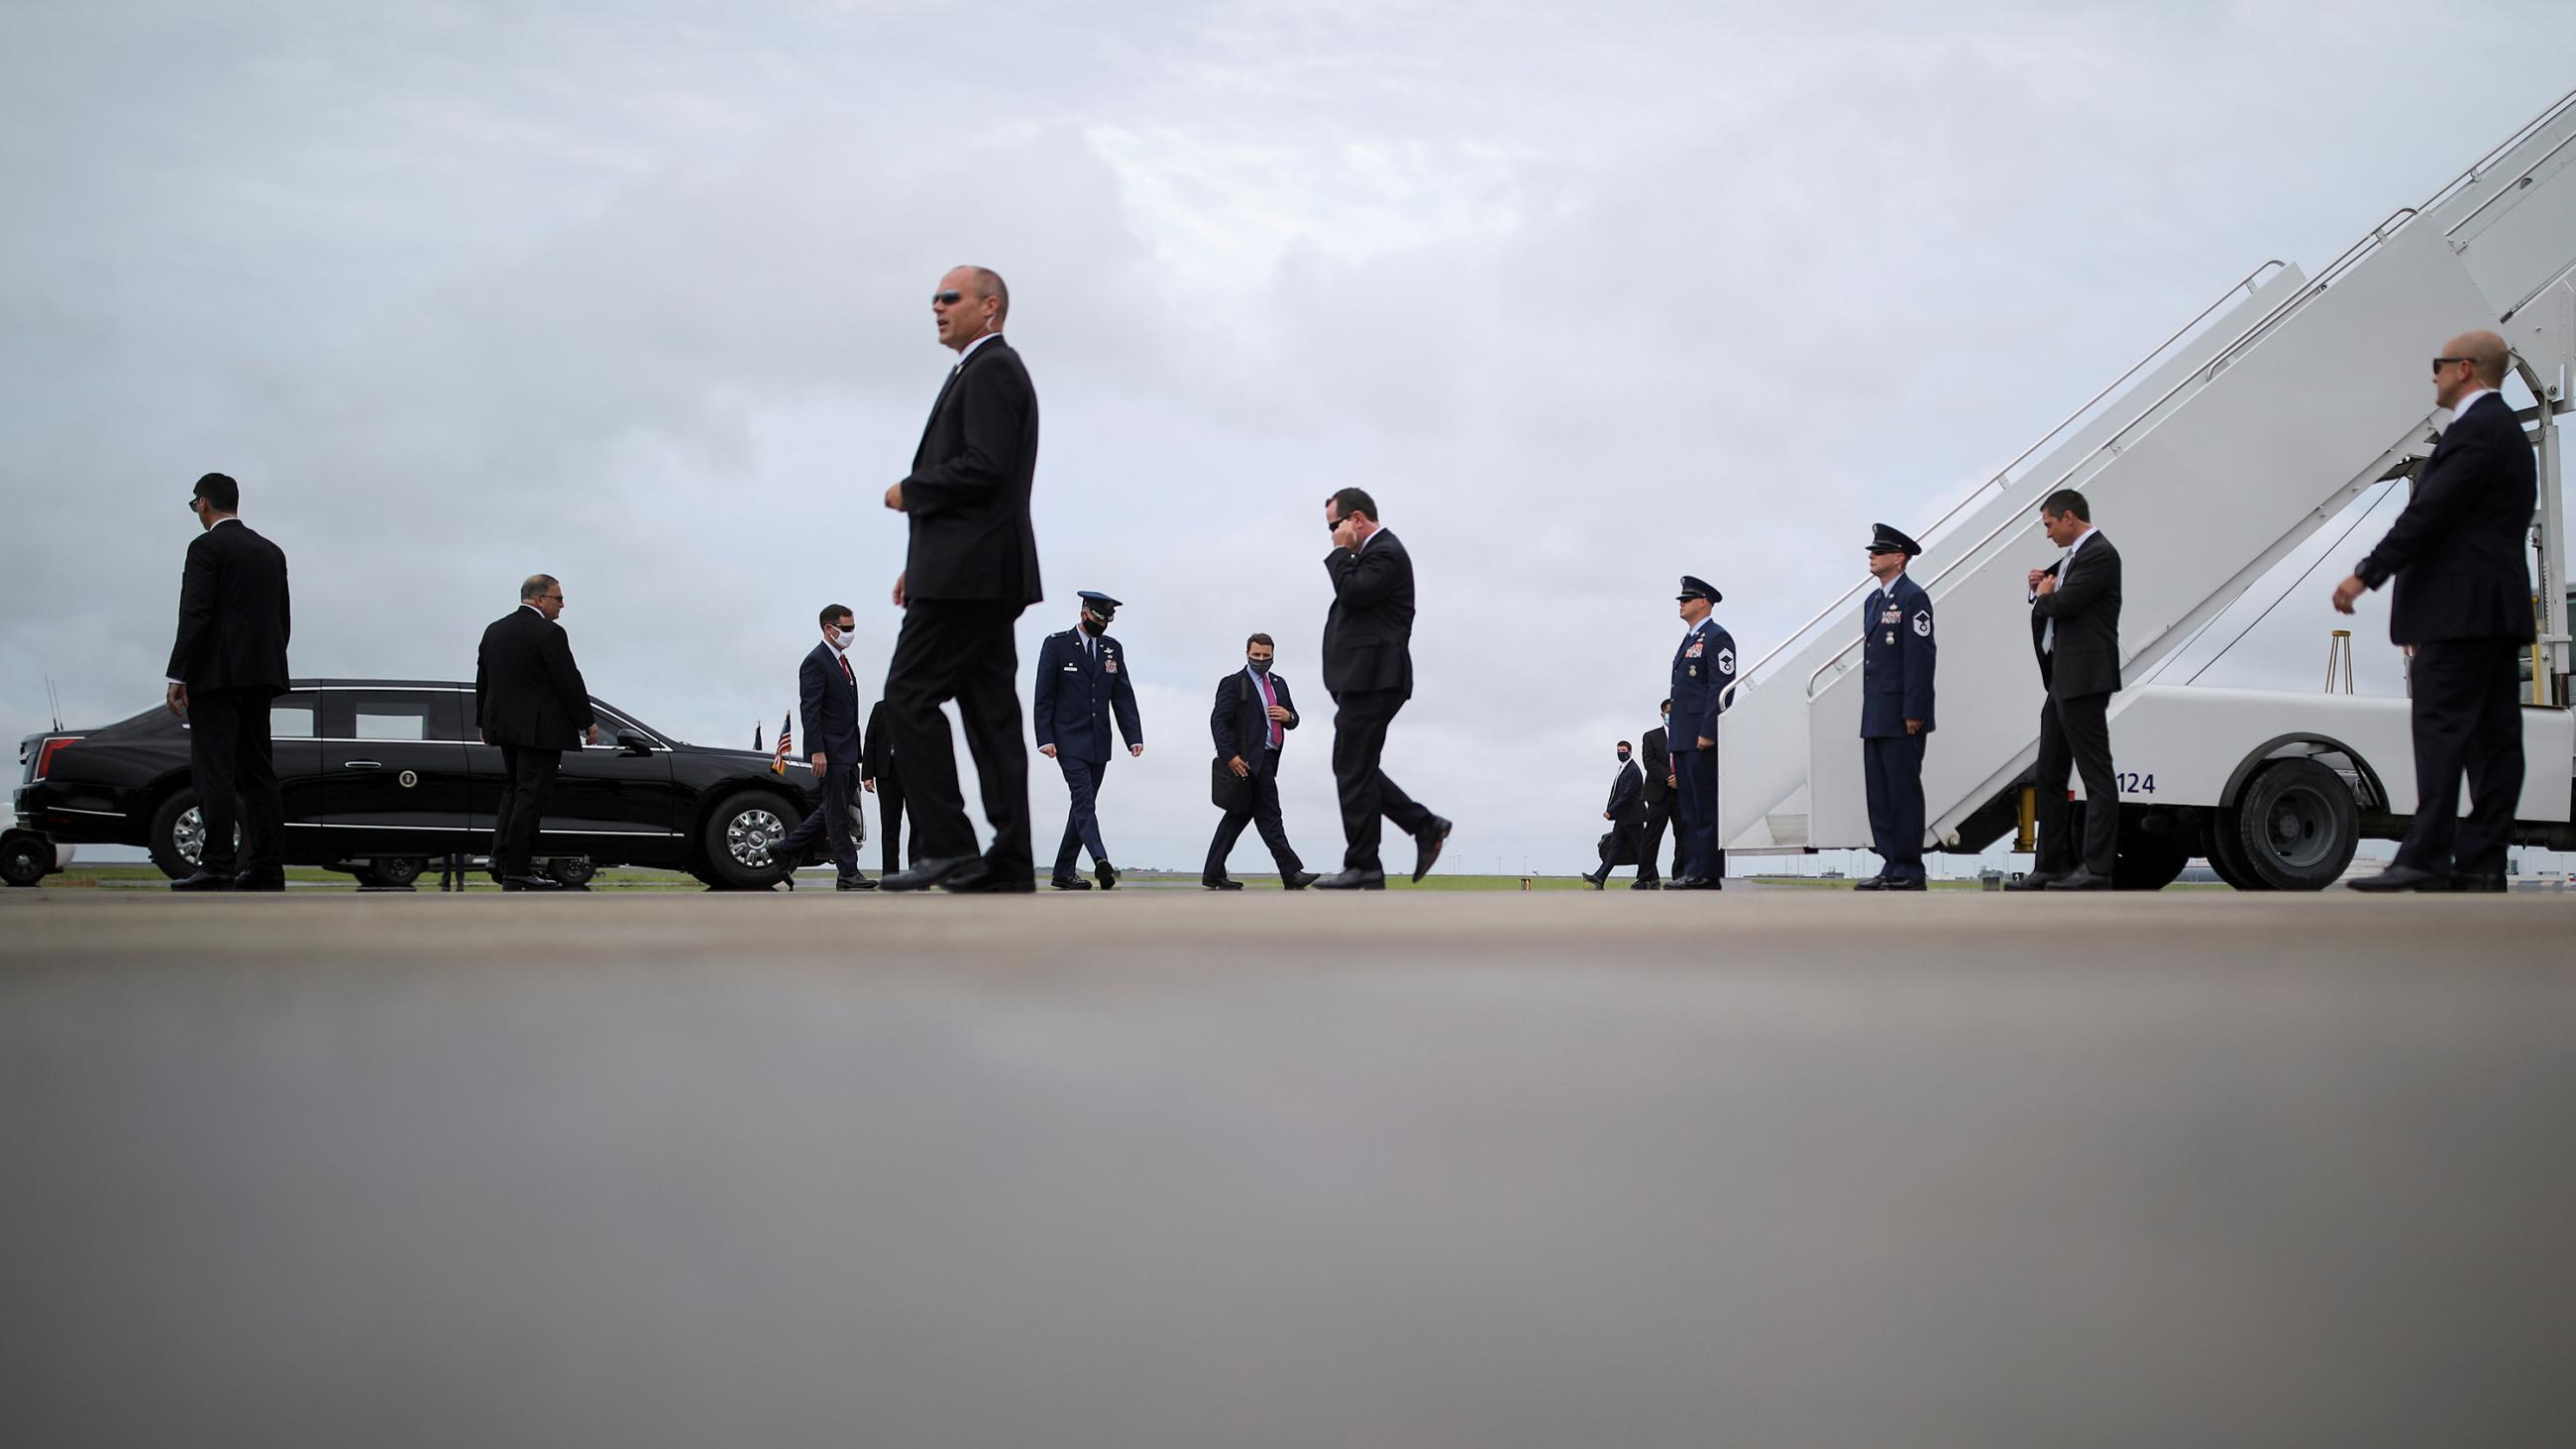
[[1227, 790]]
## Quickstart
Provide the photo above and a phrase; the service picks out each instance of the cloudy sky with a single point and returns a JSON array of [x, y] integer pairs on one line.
[[1587, 296]]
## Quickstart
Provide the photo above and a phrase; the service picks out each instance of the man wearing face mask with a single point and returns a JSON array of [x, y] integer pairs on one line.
[[1660, 784], [827, 700], [1082, 679], [1627, 817], [1703, 667], [1250, 725]]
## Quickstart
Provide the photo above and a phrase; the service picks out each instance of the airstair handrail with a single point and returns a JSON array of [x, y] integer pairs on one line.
[[2515, 185], [2482, 163], [2351, 257], [1974, 494]]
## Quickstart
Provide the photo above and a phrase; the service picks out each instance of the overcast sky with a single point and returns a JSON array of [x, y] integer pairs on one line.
[[1588, 297]]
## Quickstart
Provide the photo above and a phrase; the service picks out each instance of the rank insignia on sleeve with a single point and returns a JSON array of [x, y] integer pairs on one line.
[[1726, 661], [1923, 623]]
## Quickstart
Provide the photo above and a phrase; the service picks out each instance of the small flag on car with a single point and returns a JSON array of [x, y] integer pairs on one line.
[[778, 759]]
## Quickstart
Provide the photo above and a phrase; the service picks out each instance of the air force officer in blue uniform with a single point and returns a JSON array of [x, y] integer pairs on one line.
[[1703, 667], [1082, 677], [1896, 653]]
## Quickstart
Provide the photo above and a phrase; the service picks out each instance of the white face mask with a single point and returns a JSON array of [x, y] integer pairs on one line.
[[837, 640]]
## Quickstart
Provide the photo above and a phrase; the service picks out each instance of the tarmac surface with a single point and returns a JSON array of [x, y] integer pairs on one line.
[[1473, 1170]]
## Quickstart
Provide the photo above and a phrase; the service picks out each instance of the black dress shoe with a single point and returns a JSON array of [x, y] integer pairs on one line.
[[1105, 873], [859, 882], [2081, 880], [2481, 884], [2401, 878], [2037, 880], [982, 879], [1874, 883], [1686, 883], [928, 872], [1904, 885], [1597, 882], [1353, 880], [1298, 880], [260, 880], [1222, 883], [1069, 883], [1645, 885], [1426, 846], [530, 883], [202, 881]]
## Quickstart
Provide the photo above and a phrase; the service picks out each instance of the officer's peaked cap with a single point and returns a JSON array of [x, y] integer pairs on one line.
[[1694, 587], [1100, 603], [1884, 539]]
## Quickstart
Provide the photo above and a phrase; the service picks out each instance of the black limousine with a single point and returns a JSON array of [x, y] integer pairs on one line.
[[382, 776]]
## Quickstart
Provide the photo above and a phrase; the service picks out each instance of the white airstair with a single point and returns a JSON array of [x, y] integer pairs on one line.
[[2208, 462]]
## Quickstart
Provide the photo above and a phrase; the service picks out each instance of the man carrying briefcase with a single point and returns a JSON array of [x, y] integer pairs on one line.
[[1250, 726]]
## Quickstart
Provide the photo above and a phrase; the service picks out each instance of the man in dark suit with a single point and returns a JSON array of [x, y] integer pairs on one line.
[[1250, 725], [2463, 602], [1661, 781], [1083, 677], [970, 567], [228, 662], [1626, 813], [878, 775], [530, 701], [1368, 670], [1897, 653], [2075, 630], [1703, 667], [827, 700]]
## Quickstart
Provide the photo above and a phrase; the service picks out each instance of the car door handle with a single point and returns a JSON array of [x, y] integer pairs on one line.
[[362, 764]]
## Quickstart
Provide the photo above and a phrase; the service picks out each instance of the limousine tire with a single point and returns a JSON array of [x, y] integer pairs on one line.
[[393, 871], [26, 859], [571, 870], [177, 833], [737, 841]]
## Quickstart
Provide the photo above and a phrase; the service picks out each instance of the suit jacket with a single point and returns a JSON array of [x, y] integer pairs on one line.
[[1368, 636], [1659, 763], [876, 759], [1897, 653], [1627, 805], [828, 702], [234, 615], [527, 690], [1077, 689], [1703, 667], [2457, 552], [967, 499], [1240, 723], [2086, 659]]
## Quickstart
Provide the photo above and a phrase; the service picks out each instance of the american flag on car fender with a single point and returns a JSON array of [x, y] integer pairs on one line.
[[778, 757]]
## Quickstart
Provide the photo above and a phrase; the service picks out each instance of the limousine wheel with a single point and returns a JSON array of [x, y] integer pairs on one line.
[[742, 836], [571, 870], [399, 870], [26, 860]]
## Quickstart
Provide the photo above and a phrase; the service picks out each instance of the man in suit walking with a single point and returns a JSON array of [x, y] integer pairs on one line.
[[1626, 813], [1083, 677], [1896, 659], [878, 775], [970, 567], [1703, 667], [1368, 670], [227, 663], [529, 699], [2075, 630], [1661, 782], [827, 700], [2463, 601], [1250, 723]]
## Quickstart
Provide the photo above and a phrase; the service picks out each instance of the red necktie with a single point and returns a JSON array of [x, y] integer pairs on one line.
[[1272, 701], [845, 669]]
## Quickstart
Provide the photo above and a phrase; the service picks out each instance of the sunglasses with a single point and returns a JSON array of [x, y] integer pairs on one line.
[[1879, 549], [946, 299], [2439, 361]]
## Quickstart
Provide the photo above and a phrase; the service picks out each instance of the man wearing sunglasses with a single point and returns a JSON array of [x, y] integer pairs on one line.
[[227, 663], [970, 567], [2463, 603]]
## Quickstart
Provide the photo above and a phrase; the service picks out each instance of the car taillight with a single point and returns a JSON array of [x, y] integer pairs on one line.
[[45, 754]]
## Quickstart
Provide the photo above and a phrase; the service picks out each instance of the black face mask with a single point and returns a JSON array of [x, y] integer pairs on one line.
[[1094, 625], [1259, 666], [1623, 757]]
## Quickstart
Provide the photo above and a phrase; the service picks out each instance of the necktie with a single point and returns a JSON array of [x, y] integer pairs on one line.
[[2048, 635], [1270, 701], [844, 660]]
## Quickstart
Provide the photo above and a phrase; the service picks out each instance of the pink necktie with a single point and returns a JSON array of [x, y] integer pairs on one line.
[[1272, 701]]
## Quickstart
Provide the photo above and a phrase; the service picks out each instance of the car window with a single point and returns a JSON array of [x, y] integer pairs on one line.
[[294, 717], [399, 714]]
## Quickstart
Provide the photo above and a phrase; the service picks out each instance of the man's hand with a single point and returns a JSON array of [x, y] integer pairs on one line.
[[1672, 782], [2046, 585], [1134, 750], [2035, 576], [1605, 814], [177, 699], [1047, 750], [1280, 713], [1241, 770], [898, 591], [869, 784], [894, 498], [1914, 727], [1346, 534], [1706, 743], [819, 762], [592, 737], [2347, 591]]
